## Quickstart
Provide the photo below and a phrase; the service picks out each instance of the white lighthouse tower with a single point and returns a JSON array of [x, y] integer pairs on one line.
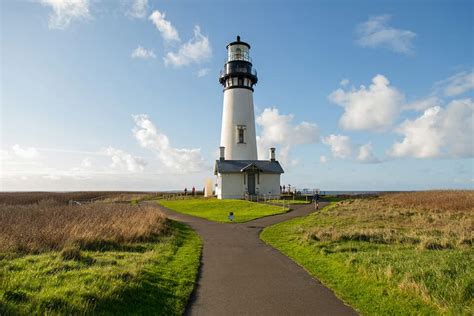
[[239, 172], [238, 118]]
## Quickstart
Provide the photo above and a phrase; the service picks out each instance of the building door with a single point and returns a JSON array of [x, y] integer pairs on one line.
[[251, 183]]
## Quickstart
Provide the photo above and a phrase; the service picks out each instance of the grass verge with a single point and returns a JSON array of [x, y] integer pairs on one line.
[[150, 277], [218, 210], [383, 258], [289, 202]]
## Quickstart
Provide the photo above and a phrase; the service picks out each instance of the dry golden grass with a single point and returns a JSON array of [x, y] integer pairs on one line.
[[17, 198], [430, 219], [439, 200], [48, 225], [127, 197]]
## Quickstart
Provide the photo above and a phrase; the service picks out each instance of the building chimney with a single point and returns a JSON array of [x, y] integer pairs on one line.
[[222, 153], [272, 154]]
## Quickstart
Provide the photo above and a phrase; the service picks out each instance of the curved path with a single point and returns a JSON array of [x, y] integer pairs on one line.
[[241, 275]]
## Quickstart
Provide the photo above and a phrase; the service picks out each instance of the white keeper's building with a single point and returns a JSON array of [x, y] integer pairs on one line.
[[239, 172]]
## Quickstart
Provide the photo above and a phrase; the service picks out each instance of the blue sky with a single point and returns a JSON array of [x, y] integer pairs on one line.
[[368, 95]]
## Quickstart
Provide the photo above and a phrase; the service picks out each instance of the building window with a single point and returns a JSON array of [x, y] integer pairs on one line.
[[241, 81], [240, 134]]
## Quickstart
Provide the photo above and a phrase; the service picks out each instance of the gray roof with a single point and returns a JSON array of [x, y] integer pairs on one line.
[[238, 166]]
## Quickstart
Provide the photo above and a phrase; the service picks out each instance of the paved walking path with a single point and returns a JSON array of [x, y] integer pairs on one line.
[[241, 275]]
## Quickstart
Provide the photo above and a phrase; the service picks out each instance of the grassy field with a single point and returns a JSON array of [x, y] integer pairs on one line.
[[288, 202], [218, 210], [398, 254], [94, 258], [24, 198]]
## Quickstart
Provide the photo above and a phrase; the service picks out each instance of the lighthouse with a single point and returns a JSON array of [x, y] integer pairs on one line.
[[239, 172], [238, 119]]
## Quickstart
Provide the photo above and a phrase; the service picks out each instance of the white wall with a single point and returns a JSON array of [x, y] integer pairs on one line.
[[231, 186], [238, 110], [269, 184]]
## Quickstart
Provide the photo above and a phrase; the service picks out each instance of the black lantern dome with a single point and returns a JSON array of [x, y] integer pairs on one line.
[[238, 71]]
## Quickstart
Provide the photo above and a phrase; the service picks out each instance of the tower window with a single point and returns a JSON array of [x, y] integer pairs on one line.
[[240, 134], [241, 81]]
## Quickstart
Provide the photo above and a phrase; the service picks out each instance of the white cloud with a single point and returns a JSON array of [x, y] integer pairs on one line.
[[86, 163], [203, 72], [344, 82], [423, 104], [458, 128], [138, 9], [374, 108], [53, 177], [25, 152], [438, 132], [196, 50], [422, 136], [376, 33], [5, 155], [125, 161], [174, 159], [143, 53], [458, 83], [66, 11], [278, 131], [165, 27], [323, 159], [366, 155], [341, 146]]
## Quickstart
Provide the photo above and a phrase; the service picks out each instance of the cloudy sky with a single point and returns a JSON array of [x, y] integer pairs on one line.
[[105, 95]]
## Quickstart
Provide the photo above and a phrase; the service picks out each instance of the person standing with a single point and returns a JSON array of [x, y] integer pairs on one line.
[[316, 197], [316, 200], [185, 191], [194, 191]]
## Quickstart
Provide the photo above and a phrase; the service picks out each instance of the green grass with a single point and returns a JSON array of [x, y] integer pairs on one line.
[[218, 210], [378, 278], [286, 202], [142, 278]]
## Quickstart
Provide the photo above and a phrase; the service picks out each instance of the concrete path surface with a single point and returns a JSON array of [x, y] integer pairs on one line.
[[241, 275]]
